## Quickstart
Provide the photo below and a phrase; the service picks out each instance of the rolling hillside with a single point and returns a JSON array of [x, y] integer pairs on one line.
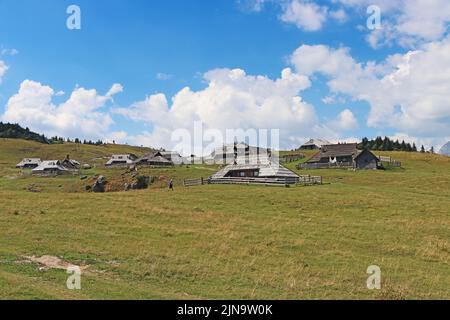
[[220, 241]]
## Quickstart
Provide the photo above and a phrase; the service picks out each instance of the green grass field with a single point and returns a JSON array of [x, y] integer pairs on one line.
[[225, 242]]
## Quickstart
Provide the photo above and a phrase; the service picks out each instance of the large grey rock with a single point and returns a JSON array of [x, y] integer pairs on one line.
[[142, 182], [99, 185], [101, 179]]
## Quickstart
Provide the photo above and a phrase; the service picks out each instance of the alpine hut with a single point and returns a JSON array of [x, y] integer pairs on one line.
[[345, 155], [121, 160], [314, 144], [29, 163], [172, 156], [70, 164], [239, 153], [51, 167], [258, 167], [153, 160]]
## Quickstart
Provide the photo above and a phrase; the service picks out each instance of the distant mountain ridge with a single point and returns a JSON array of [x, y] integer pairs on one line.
[[15, 131], [445, 150]]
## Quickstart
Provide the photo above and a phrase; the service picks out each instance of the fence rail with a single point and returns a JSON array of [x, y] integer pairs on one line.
[[390, 161], [310, 180], [318, 165], [261, 181], [303, 180], [193, 182], [291, 157], [287, 181], [396, 164]]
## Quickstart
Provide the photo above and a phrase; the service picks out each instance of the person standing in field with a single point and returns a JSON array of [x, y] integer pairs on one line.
[[171, 185]]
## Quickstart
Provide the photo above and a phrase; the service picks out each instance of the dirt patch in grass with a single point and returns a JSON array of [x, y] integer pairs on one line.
[[51, 262]]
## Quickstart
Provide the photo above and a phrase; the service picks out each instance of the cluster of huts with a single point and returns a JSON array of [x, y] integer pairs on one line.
[[50, 167], [238, 160], [153, 159]]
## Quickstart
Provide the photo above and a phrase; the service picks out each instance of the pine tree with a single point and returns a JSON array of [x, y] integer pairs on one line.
[[409, 147], [403, 146]]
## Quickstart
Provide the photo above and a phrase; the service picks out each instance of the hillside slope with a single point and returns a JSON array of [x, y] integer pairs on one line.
[[226, 242], [15, 131], [14, 150]]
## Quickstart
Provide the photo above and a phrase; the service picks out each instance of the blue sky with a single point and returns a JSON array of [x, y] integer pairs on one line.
[[161, 47]]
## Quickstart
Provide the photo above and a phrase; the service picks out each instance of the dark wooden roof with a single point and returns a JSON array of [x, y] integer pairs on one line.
[[336, 150], [153, 157]]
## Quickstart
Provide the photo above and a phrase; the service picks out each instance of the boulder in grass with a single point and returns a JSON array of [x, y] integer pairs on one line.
[[142, 182], [101, 179], [99, 185], [87, 166]]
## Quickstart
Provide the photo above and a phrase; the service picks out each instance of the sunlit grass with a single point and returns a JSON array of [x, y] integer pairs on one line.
[[224, 241]]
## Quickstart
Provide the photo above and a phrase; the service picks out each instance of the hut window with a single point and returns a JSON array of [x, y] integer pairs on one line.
[[242, 174]]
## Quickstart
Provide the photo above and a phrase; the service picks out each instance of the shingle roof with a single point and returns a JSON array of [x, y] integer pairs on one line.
[[316, 142], [150, 157], [51, 164], [241, 148], [336, 150], [266, 170], [28, 161]]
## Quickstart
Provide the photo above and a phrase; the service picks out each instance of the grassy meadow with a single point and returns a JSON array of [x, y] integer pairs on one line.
[[225, 241]]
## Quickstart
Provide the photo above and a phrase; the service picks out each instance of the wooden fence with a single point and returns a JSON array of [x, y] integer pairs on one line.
[[260, 181], [193, 182], [287, 181], [310, 180], [395, 163], [291, 157], [390, 161], [317, 165]]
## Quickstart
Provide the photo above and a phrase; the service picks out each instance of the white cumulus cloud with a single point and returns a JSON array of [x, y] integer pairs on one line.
[[79, 116], [407, 22], [345, 121], [407, 92], [3, 69], [305, 14], [232, 100]]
